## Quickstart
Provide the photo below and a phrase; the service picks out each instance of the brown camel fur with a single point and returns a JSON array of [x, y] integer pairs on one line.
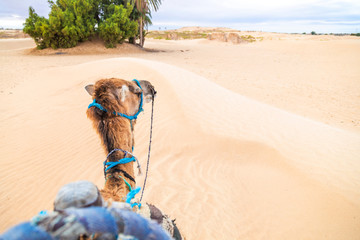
[[117, 132]]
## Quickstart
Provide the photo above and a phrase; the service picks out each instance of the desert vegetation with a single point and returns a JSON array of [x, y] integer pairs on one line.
[[223, 35], [73, 21]]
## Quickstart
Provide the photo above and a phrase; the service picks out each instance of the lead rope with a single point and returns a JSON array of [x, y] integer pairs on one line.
[[148, 160]]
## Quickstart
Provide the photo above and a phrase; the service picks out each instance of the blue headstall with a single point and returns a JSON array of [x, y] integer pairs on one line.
[[98, 105]]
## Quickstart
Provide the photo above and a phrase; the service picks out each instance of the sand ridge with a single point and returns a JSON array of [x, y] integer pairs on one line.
[[224, 165]]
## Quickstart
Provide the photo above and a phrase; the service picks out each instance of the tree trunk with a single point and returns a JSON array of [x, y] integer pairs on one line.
[[141, 32], [132, 40]]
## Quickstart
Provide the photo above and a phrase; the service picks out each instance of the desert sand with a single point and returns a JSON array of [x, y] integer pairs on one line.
[[250, 141]]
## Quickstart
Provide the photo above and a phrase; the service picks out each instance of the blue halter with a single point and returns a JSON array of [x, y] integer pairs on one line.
[[109, 165], [98, 105]]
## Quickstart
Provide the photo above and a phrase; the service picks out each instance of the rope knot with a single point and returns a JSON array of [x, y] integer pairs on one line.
[[131, 195], [109, 165]]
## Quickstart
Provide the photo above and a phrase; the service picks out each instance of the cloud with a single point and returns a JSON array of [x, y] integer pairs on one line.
[[21, 7], [13, 13], [212, 12], [12, 22], [258, 10], [227, 13]]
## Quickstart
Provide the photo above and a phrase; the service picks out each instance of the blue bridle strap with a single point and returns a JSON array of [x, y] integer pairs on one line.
[[141, 97], [132, 192], [121, 161], [95, 104], [109, 165], [131, 195], [98, 105]]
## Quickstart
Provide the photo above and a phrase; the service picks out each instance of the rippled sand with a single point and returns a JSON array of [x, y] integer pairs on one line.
[[238, 152]]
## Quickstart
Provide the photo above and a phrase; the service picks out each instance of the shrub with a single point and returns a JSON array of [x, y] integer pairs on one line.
[[74, 21], [34, 26], [70, 22], [117, 26], [62, 32]]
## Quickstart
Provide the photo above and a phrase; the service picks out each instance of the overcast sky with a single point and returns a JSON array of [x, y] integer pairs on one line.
[[276, 15]]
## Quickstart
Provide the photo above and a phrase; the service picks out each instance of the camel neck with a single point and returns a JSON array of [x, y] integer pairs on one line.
[[116, 133]]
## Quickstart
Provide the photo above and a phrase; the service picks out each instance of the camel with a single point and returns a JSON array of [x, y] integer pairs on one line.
[[116, 104], [117, 96]]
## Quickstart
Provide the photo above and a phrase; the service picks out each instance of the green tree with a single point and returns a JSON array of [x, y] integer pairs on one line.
[[73, 21], [34, 26], [144, 7], [117, 25], [70, 22]]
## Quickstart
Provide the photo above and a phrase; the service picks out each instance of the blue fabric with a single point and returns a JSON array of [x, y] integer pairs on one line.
[[95, 104], [25, 231], [95, 219], [141, 228]]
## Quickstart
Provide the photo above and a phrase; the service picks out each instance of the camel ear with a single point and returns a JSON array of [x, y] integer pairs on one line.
[[90, 89]]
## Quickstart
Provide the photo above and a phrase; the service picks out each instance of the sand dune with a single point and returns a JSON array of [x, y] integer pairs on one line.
[[225, 166]]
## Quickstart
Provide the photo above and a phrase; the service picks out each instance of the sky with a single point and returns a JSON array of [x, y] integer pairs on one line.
[[291, 16]]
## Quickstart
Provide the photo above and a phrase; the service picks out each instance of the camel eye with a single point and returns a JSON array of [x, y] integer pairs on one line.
[[138, 93]]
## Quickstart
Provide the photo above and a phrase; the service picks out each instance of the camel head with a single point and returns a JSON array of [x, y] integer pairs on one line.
[[118, 95]]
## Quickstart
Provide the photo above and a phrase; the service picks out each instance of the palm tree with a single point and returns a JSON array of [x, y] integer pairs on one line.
[[143, 7]]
